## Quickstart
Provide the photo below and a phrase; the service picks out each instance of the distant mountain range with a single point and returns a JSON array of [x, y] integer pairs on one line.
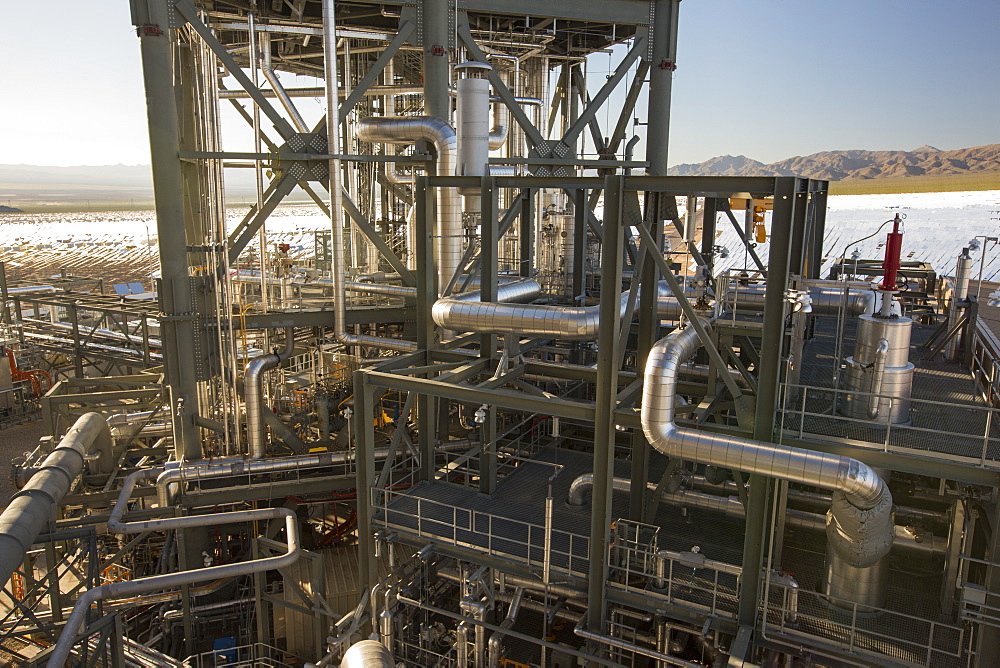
[[855, 164], [37, 186]]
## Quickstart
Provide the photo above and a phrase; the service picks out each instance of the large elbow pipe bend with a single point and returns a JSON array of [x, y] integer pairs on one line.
[[859, 525], [450, 233], [254, 393]]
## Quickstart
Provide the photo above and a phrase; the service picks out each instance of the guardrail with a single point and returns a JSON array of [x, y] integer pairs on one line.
[[255, 654], [973, 431], [984, 360], [874, 632], [487, 533]]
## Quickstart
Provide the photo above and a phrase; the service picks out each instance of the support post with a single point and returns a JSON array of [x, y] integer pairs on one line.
[[436, 48], [649, 330], [787, 200], [488, 293], [426, 295], [604, 416], [364, 434], [156, 39], [662, 56]]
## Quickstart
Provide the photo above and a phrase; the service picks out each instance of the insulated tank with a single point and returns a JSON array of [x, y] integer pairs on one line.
[[892, 376]]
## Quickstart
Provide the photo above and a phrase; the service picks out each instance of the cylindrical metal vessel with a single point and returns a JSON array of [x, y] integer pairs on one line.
[[367, 654], [891, 376], [956, 309], [472, 120], [846, 584]]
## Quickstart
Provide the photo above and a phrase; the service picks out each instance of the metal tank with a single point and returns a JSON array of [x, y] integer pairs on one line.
[[880, 365]]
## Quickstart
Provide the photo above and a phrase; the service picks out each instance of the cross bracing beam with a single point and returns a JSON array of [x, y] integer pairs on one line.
[[590, 111], [186, 9]]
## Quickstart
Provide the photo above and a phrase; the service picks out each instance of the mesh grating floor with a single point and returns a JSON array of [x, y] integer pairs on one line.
[[946, 401]]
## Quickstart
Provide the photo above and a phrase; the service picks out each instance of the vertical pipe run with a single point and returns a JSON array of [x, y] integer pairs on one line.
[[255, 405], [334, 147]]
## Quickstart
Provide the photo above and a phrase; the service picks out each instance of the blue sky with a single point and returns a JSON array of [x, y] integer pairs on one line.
[[769, 79]]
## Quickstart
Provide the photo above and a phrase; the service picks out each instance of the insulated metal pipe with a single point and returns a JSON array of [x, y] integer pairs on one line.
[[826, 299], [34, 506], [571, 323], [518, 290], [276, 86], [904, 537], [77, 619], [472, 120], [254, 399], [862, 486], [860, 526], [368, 654], [888, 370], [496, 639], [449, 234]]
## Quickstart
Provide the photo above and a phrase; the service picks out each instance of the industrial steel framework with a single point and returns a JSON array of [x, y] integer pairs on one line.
[[510, 309]]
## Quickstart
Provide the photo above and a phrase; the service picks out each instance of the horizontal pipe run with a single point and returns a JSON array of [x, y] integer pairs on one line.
[[731, 506], [32, 508], [826, 299], [568, 323], [77, 619]]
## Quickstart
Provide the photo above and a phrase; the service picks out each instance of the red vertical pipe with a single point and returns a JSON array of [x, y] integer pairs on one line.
[[893, 246]]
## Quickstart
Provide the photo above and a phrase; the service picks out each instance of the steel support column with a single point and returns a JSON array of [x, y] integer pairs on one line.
[[604, 410], [488, 293], [662, 56], [364, 434], [436, 49], [788, 202], [156, 38], [649, 332], [709, 216], [426, 295]]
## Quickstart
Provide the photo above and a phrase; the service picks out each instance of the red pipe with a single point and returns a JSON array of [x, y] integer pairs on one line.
[[893, 247]]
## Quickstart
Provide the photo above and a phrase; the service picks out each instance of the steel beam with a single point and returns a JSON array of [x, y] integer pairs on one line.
[[604, 409], [156, 39], [662, 56], [789, 207]]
